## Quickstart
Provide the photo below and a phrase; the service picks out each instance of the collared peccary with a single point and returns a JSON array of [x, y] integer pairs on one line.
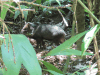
[[48, 32]]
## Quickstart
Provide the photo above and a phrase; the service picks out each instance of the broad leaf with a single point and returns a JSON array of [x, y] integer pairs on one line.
[[1, 71], [24, 54], [16, 14], [89, 37], [66, 45], [51, 67], [24, 12], [69, 52], [53, 72]]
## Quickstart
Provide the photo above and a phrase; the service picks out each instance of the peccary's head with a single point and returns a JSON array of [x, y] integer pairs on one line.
[[27, 29]]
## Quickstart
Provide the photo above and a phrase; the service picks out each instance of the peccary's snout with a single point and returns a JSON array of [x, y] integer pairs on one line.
[[27, 28]]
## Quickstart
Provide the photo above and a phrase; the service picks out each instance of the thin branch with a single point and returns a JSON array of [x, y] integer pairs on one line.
[[48, 7], [63, 18], [20, 9], [2, 37]]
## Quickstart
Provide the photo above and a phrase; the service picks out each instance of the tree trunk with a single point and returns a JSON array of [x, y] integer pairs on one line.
[[80, 23]]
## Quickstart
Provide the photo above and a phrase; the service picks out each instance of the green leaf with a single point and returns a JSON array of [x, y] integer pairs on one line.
[[16, 14], [38, 1], [29, 0], [1, 71], [51, 67], [88, 37], [4, 11], [53, 72], [66, 45], [58, 2], [69, 52], [24, 12], [69, 8], [24, 54], [85, 10]]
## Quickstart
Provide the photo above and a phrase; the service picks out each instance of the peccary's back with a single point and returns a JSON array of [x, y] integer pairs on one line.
[[49, 32]]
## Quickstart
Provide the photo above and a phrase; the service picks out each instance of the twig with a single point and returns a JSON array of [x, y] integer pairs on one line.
[[48, 7], [2, 37], [63, 18]]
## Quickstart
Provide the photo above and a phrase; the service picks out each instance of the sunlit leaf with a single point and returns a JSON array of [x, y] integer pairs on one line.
[[68, 52], [4, 11], [16, 1], [58, 2], [24, 54], [88, 37], [66, 45], [93, 71]]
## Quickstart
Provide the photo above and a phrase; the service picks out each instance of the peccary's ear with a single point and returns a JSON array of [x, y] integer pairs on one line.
[[26, 26]]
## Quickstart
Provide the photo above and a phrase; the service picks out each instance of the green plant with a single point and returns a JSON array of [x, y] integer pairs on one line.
[[17, 50]]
